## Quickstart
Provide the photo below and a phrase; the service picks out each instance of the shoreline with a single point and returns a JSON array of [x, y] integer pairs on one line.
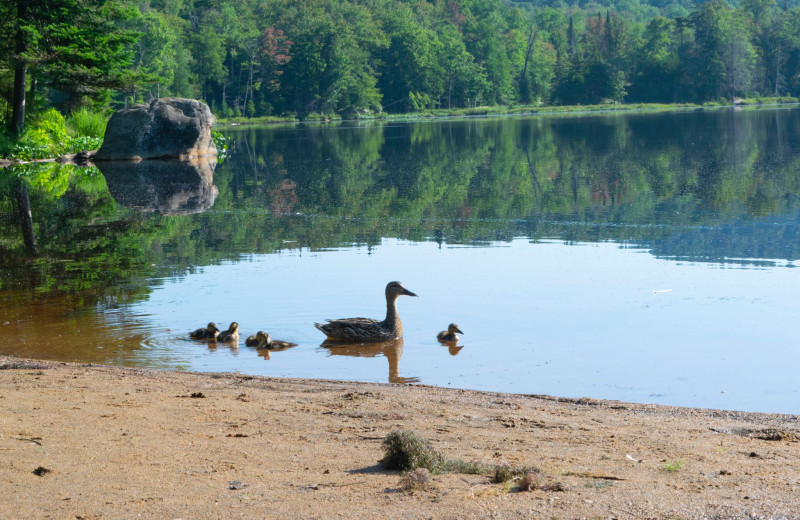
[[96, 441], [500, 111]]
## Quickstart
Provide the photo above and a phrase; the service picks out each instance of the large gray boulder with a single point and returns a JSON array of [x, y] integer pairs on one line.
[[167, 128]]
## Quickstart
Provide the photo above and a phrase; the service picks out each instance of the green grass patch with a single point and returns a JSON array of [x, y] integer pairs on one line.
[[672, 466], [85, 122]]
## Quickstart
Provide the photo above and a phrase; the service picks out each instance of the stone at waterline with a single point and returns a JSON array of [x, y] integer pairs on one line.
[[166, 187], [167, 128]]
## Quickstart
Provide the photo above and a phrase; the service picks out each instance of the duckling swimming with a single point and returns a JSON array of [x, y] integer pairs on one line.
[[367, 330], [259, 338], [276, 344], [262, 340], [450, 335], [231, 335], [210, 332]]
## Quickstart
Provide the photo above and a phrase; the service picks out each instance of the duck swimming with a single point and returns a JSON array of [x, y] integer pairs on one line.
[[451, 334], [231, 335], [210, 332], [367, 330]]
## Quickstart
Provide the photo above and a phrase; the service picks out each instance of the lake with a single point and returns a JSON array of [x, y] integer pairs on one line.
[[645, 257]]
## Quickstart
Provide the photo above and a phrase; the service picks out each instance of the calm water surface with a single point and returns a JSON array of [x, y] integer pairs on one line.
[[646, 258]]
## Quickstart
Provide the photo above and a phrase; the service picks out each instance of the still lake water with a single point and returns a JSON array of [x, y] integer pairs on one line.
[[640, 257]]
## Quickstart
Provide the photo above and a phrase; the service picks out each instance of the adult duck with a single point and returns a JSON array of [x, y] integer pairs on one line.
[[209, 332], [231, 335], [450, 335], [367, 330]]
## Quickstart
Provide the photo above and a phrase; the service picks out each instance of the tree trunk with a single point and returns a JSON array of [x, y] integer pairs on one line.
[[25, 218], [20, 72]]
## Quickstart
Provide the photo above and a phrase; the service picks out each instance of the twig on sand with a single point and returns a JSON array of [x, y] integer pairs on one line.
[[35, 440]]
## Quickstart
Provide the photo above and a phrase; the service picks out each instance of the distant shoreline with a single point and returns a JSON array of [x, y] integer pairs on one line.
[[457, 113]]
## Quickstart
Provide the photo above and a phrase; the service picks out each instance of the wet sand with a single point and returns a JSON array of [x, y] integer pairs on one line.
[[89, 442]]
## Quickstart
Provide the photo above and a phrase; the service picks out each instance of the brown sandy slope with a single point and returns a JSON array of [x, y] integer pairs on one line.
[[123, 443]]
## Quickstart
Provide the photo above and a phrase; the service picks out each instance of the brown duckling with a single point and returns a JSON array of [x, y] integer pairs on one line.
[[262, 340], [276, 344], [231, 335], [259, 338], [450, 335], [367, 330], [209, 332]]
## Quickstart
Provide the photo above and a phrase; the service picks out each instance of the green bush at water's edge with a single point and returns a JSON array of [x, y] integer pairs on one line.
[[49, 135]]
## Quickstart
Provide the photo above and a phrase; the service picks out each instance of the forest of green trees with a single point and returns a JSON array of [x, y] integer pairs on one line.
[[252, 58]]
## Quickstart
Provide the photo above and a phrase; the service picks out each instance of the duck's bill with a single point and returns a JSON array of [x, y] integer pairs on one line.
[[408, 293]]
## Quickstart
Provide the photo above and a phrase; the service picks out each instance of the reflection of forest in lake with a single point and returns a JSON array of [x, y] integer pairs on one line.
[[720, 187], [698, 185], [661, 181]]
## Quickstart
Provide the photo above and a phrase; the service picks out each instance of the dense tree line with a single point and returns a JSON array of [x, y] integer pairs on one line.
[[276, 57]]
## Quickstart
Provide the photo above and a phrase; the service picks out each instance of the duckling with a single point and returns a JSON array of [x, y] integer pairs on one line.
[[210, 332], [259, 338], [276, 344], [367, 330], [450, 335], [231, 335], [262, 340]]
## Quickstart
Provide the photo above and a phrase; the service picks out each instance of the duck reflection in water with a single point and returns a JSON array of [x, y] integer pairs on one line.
[[392, 349]]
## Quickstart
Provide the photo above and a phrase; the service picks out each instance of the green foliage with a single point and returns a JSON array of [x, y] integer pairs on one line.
[[84, 122], [315, 58], [48, 136], [48, 130]]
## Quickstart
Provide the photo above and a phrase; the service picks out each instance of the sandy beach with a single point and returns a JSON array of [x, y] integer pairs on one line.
[[91, 442]]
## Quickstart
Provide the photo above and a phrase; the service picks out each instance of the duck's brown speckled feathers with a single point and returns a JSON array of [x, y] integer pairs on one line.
[[209, 332], [450, 335], [231, 335], [367, 330]]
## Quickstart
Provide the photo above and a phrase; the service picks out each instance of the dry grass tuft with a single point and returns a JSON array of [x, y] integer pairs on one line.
[[404, 451], [417, 479]]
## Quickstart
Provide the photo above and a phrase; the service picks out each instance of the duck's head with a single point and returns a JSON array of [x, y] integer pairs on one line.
[[453, 328], [212, 327], [263, 337], [233, 327], [397, 289]]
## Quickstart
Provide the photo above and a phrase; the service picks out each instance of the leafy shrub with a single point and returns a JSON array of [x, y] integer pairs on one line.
[[47, 130]]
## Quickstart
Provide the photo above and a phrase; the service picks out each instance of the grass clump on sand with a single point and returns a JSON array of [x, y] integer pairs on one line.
[[404, 451], [417, 479]]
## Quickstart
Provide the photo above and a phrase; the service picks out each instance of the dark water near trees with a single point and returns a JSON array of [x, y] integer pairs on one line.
[[643, 257]]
